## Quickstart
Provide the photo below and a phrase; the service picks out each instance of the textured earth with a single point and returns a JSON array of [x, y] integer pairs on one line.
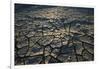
[[53, 34]]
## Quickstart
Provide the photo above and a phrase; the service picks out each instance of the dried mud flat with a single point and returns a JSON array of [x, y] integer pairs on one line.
[[53, 34]]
